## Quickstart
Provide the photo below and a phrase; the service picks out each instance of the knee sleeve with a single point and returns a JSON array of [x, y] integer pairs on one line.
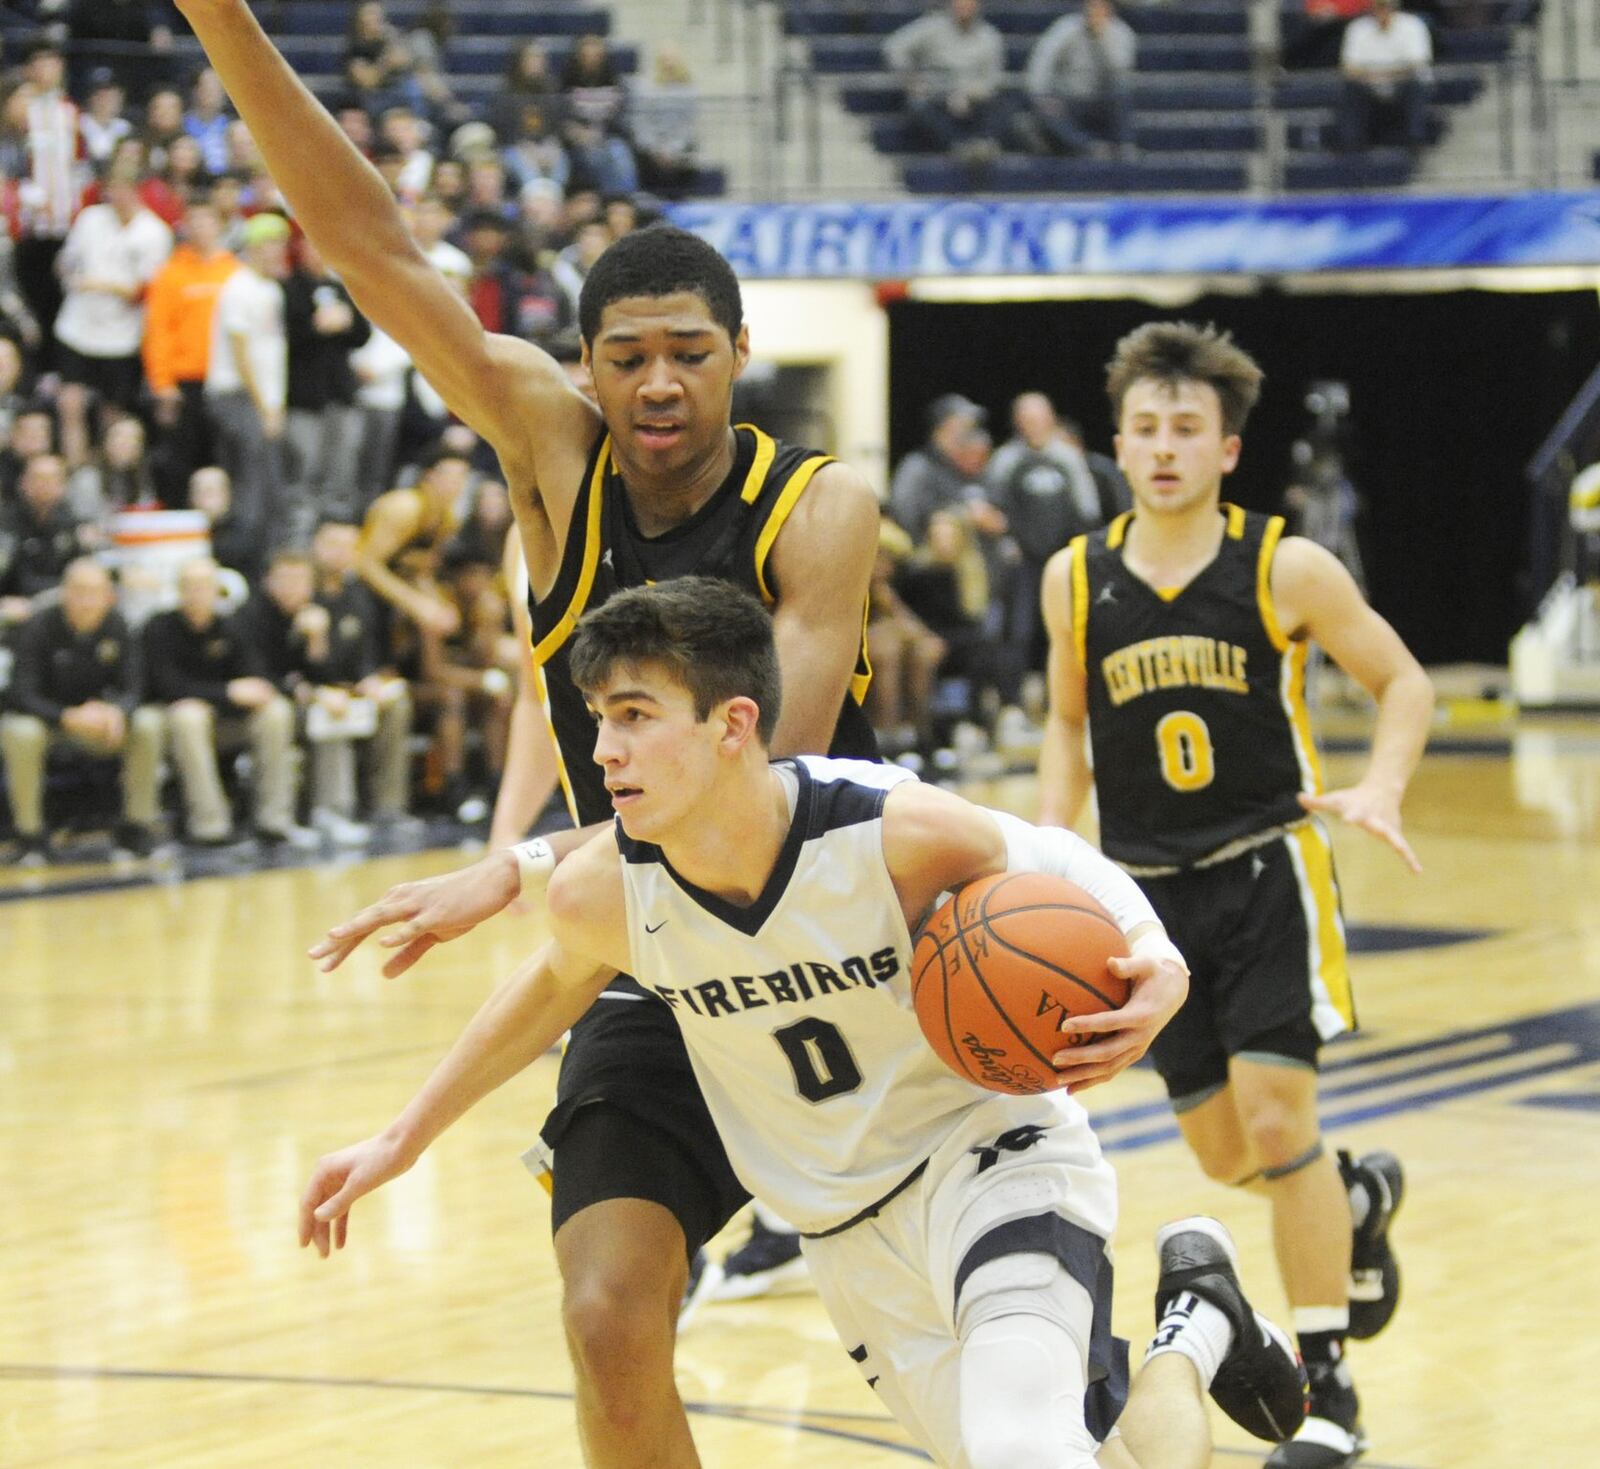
[[1022, 1384], [1028, 1284]]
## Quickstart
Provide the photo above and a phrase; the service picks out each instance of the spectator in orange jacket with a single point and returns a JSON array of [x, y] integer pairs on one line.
[[177, 349]]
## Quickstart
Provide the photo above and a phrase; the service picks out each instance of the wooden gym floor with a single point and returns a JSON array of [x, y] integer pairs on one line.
[[170, 1067]]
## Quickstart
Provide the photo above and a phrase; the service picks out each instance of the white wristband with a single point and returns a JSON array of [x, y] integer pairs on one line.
[[535, 863], [1157, 944]]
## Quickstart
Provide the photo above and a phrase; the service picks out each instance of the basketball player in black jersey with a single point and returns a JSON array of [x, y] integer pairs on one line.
[[1179, 635], [651, 482]]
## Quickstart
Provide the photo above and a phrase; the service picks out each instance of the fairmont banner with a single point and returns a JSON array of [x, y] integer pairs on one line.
[[973, 237]]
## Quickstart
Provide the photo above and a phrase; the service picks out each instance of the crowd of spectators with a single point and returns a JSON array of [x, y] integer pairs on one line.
[[955, 632], [1073, 95], [233, 520]]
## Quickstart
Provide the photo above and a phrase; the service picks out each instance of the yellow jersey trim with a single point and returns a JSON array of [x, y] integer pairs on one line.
[[781, 509], [551, 643], [1269, 613], [861, 680], [1330, 970], [766, 450], [1235, 521], [1078, 550], [1117, 532]]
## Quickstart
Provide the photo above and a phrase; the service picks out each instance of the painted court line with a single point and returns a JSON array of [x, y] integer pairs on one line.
[[802, 1420]]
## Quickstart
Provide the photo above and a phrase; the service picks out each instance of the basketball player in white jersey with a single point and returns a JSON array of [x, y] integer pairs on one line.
[[957, 1237]]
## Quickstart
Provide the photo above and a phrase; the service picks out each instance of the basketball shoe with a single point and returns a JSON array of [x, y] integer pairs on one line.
[[1260, 1383], [767, 1263], [1331, 1437], [1376, 1184]]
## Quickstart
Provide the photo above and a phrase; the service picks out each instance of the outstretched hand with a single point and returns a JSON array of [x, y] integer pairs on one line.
[[428, 912], [1372, 810], [338, 1180], [1102, 1046]]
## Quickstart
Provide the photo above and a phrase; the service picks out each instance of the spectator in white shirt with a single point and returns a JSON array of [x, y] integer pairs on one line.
[[386, 378], [247, 380], [1077, 82], [112, 253], [402, 129], [102, 122], [432, 220], [51, 186], [1386, 58]]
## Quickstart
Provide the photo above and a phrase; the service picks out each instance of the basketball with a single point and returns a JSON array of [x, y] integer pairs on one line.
[[999, 967]]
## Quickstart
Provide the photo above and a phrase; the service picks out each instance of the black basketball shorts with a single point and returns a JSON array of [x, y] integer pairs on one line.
[[630, 1122], [1264, 939]]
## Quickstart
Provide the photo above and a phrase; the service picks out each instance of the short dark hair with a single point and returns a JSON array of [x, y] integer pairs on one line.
[[659, 260], [714, 637], [1174, 352], [442, 453]]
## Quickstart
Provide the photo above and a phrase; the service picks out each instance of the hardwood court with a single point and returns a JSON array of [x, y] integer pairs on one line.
[[170, 1067]]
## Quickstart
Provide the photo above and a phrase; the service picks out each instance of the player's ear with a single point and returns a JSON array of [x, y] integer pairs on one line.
[[1232, 447], [740, 717], [585, 356], [741, 351], [1116, 449]]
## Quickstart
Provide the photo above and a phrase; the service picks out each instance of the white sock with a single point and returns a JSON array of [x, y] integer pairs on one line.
[[1198, 1330], [1321, 1318]]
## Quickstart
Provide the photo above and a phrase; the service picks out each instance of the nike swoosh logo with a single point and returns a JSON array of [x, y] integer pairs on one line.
[[658, 926]]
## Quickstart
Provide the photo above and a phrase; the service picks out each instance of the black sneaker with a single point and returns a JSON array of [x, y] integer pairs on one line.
[[768, 1262], [1261, 1384], [1331, 1437], [136, 840], [1374, 1272]]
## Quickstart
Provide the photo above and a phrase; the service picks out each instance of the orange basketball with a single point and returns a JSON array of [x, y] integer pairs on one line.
[[999, 966]]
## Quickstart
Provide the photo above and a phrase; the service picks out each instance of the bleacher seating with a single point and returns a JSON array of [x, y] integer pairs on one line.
[[1199, 108], [311, 34]]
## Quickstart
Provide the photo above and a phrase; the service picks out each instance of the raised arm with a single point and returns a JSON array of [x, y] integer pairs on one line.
[[1064, 772], [514, 395], [820, 568]]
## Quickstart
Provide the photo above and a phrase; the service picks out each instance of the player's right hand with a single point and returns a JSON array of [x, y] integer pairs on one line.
[[338, 1180], [430, 911]]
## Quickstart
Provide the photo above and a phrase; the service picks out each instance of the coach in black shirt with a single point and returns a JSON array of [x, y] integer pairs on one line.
[[324, 425], [216, 692], [77, 680], [39, 535]]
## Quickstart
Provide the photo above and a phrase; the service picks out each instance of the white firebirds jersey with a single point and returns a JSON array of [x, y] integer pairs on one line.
[[797, 1011]]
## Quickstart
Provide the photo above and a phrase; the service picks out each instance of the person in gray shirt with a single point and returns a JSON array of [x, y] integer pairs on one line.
[[952, 62], [1077, 83], [1049, 490]]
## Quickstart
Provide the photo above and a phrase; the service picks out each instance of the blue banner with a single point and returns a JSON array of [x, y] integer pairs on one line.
[[974, 237]]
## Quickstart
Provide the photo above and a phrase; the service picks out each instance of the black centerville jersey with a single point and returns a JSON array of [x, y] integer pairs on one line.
[[730, 537], [1197, 712]]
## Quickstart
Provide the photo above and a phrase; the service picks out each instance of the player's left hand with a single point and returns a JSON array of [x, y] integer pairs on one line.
[[1373, 810], [338, 1180], [425, 913], [1114, 1039]]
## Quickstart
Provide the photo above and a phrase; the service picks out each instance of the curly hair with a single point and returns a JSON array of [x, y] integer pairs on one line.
[[660, 260]]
